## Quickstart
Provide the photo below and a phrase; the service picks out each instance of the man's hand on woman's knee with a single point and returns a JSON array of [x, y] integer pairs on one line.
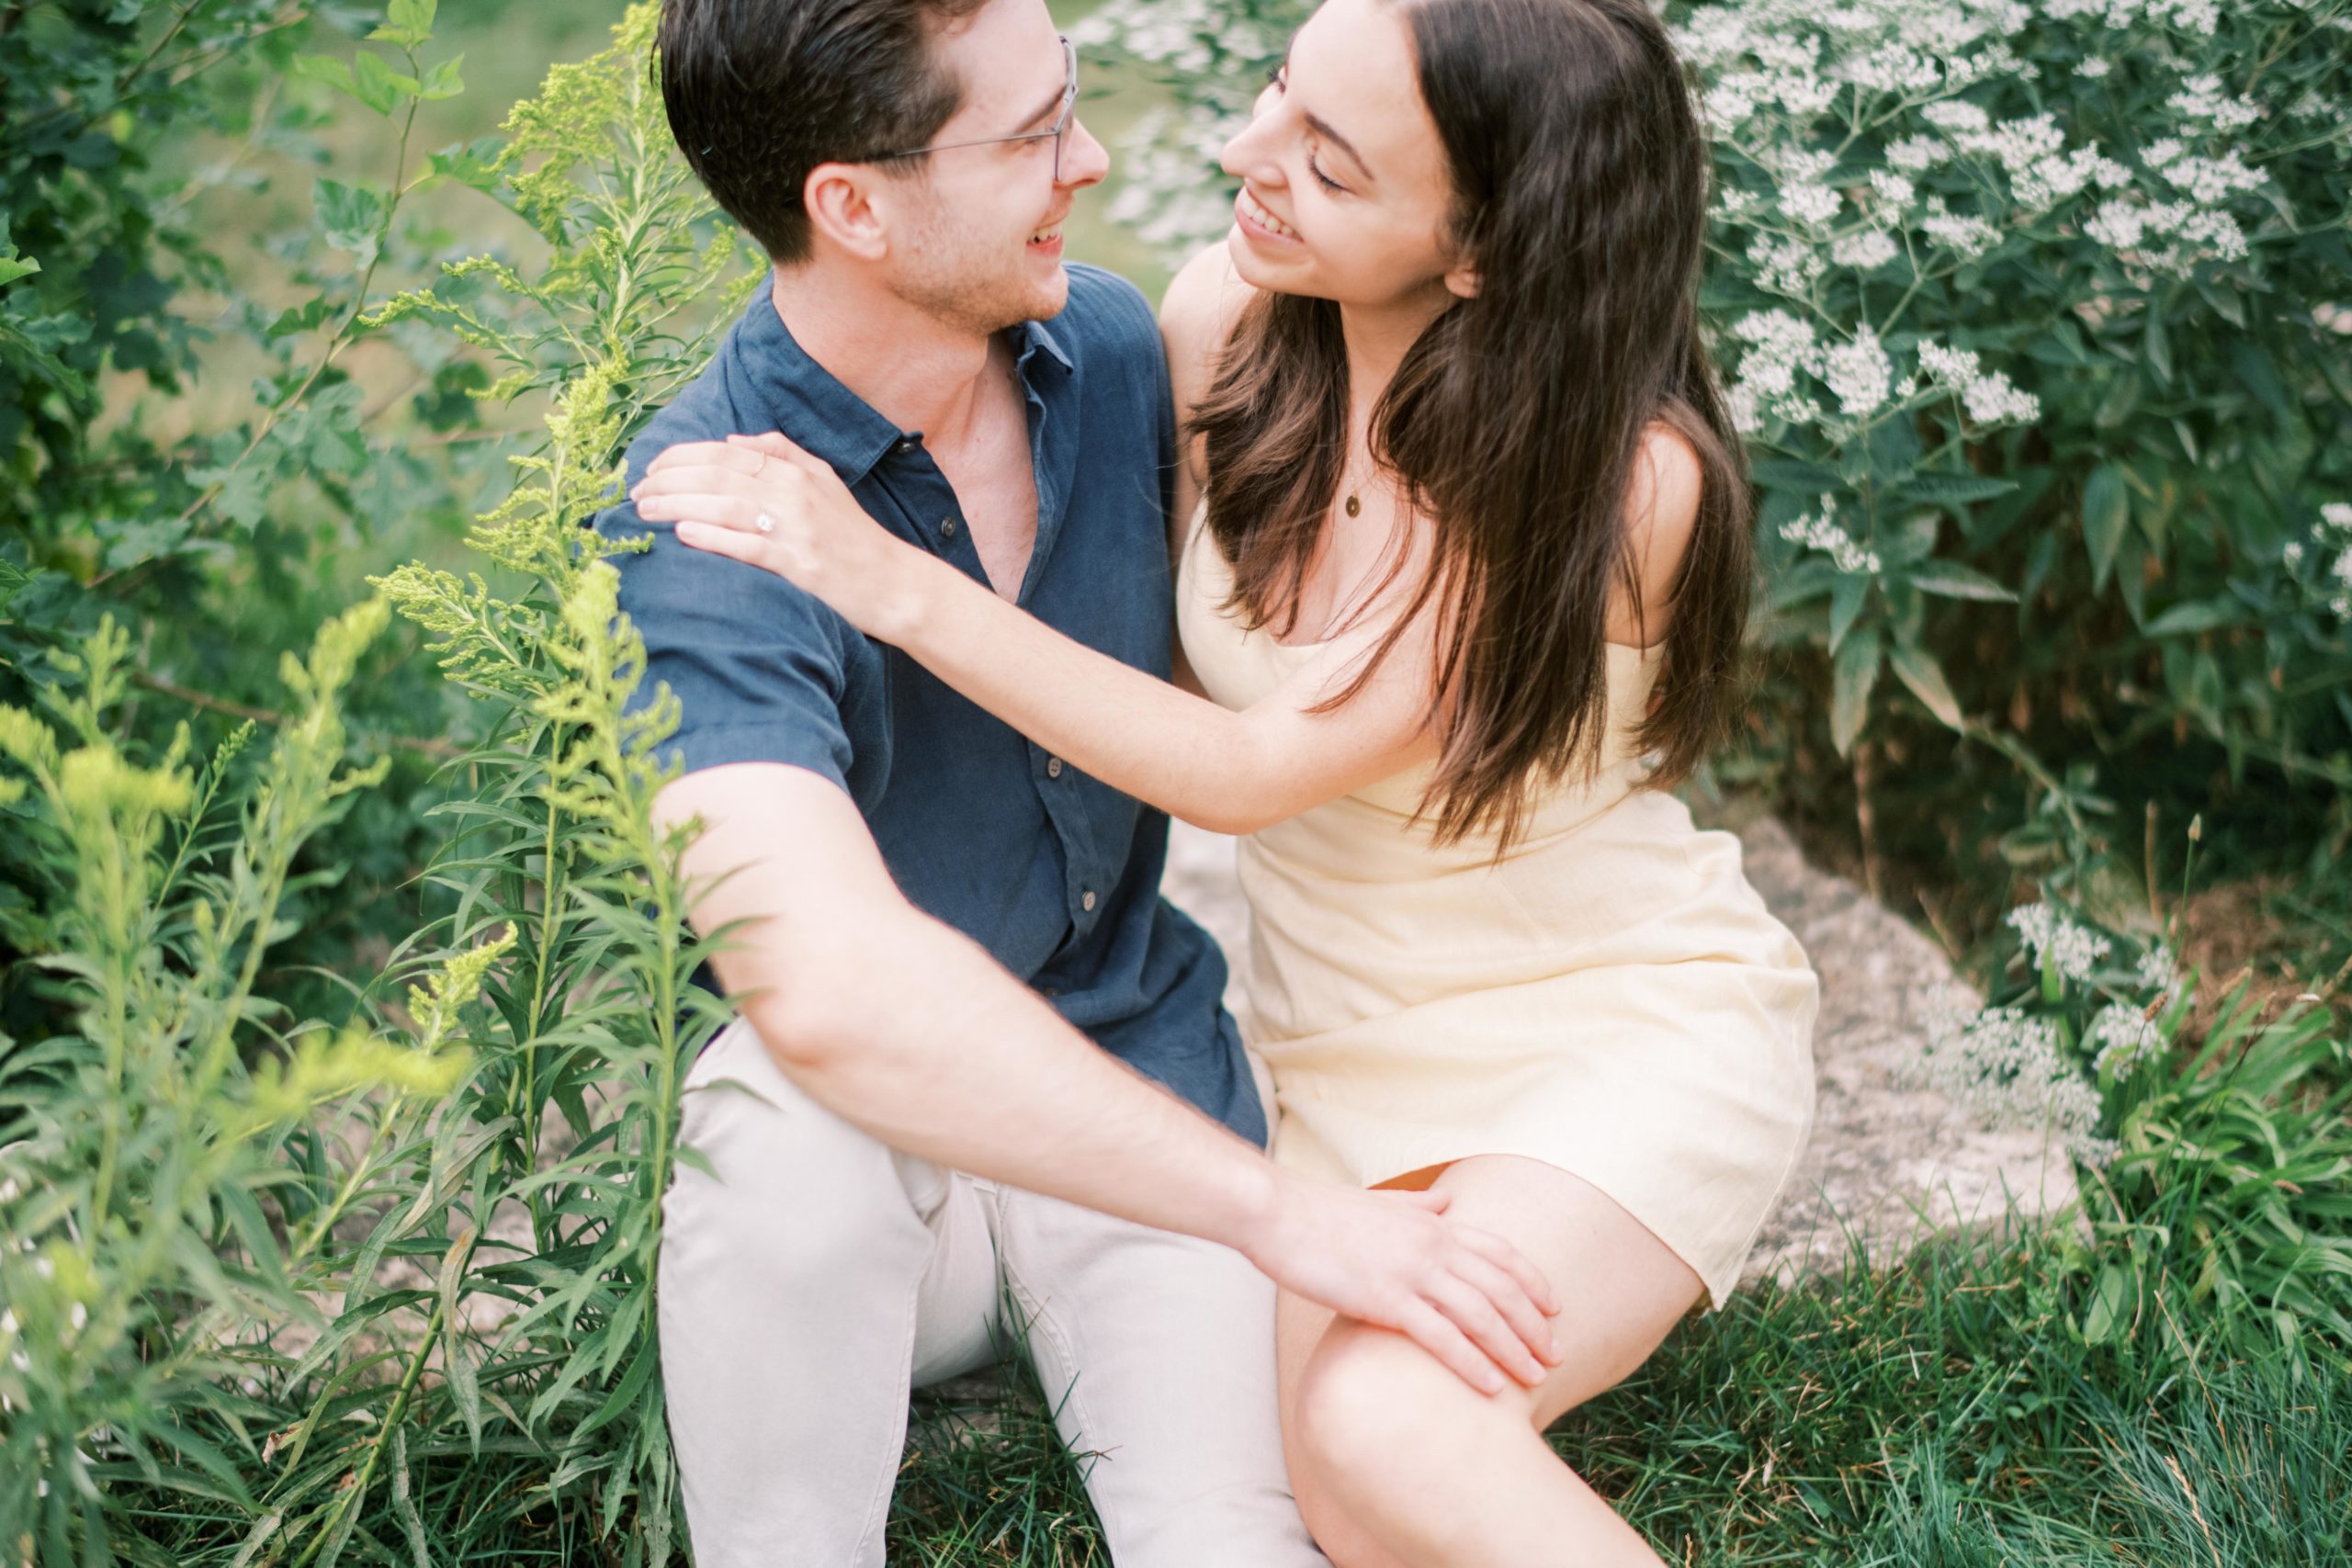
[[1392, 1258]]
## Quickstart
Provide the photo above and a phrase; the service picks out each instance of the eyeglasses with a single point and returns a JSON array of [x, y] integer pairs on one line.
[[1060, 134]]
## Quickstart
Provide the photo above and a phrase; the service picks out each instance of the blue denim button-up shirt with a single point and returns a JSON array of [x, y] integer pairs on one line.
[[1056, 873]]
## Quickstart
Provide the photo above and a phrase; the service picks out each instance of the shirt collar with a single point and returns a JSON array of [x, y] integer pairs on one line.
[[811, 404]]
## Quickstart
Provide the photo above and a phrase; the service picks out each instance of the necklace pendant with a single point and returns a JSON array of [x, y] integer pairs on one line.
[[1354, 506]]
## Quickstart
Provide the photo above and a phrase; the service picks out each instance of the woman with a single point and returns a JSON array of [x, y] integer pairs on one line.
[[1463, 595]]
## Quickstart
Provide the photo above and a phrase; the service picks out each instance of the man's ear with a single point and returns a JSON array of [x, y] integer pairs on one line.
[[838, 198]]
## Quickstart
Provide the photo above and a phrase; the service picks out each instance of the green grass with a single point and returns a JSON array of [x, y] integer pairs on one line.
[[1937, 1415]]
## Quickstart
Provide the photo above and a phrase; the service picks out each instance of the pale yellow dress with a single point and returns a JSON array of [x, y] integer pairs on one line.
[[1613, 998]]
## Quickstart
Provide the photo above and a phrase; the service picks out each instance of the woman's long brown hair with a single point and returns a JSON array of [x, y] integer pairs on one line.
[[1581, 177]]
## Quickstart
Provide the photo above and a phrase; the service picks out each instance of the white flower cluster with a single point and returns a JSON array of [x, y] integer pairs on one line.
[[1780, 345], [2334, 537], [2013, 1068], [1859, 373], [2032, 153], [2169, 236], [1786, 266], [2160, 974], [1864, 249], [1788, 79], [2052, 939], [1170, 197], [1964, 232], [1823, 533], [2189, 15], [1178, 34], [2201, 98], [2123, 1036], [1988, 395]]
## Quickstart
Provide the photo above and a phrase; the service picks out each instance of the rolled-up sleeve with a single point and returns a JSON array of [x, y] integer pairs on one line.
[[758, 666]]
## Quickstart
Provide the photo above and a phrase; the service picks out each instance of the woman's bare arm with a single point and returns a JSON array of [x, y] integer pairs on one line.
[[1231, 771], [1197, 317]]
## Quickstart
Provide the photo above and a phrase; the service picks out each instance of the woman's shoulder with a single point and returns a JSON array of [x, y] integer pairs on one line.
[[1662, 498], [1196, 316]]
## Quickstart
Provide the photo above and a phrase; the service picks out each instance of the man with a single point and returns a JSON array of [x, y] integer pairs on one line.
[[976, 1056]]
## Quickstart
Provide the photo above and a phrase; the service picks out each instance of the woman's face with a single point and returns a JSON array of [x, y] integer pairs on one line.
[[1344, 187]]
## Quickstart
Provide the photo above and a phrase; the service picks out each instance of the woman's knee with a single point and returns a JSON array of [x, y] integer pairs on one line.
[[1365, 1404]]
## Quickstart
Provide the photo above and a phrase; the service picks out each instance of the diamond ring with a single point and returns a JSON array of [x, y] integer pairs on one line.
[[764, 523]]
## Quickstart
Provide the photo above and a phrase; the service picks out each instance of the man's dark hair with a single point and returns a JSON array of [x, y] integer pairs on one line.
[[759, 92]]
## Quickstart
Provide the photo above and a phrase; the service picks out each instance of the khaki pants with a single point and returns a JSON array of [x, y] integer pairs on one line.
[[821, 1275]]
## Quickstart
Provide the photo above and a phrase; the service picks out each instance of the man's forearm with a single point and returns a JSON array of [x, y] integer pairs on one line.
[[952, 1059]]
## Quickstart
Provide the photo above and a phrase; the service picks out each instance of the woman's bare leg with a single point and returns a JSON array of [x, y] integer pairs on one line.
[[1398, 1463]]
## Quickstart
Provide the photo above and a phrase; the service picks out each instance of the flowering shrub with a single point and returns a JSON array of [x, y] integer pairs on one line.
[[2033, 313], [2070, 1038], [2218, 1172]]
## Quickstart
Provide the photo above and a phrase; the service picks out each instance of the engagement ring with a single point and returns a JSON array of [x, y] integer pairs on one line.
[[764, 523]]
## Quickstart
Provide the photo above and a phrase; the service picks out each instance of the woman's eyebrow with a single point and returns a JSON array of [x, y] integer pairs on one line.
[[1322, 127]]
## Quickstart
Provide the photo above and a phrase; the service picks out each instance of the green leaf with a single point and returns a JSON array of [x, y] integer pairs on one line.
[[326, 68], [2107, 507], [2225, 301], [298, 319], [1917, 669], [2156, 347], [379, 87], [1894, 445], [407, 22], [1954, 490], [2198, 615], [1853, 674], [2259, 374], [625, 1391], [14, 266], [1792, 474], [442, 81], [456, 1355], [1950, 580], [1912, 538], [2121, 399], [351, 217], [2110, 1302], [1808, 579], [2132, 577], [1846, 597]]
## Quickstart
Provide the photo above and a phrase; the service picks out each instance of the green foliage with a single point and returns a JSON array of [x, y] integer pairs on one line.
[[153, 1218], [386, 1286], [134, 323], [2218, 1176]]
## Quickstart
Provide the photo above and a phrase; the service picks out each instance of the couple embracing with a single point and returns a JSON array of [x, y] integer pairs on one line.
[[1410, 543]]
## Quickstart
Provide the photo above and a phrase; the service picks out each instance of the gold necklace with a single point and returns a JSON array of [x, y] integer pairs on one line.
[[1352, 505]]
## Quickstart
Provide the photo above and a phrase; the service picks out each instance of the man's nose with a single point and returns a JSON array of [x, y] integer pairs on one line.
[[1084, 160]]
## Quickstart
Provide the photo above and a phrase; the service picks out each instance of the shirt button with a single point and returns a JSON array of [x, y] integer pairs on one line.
[[948, 528], [907, 443], [1052, 767], [1086, 900]]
